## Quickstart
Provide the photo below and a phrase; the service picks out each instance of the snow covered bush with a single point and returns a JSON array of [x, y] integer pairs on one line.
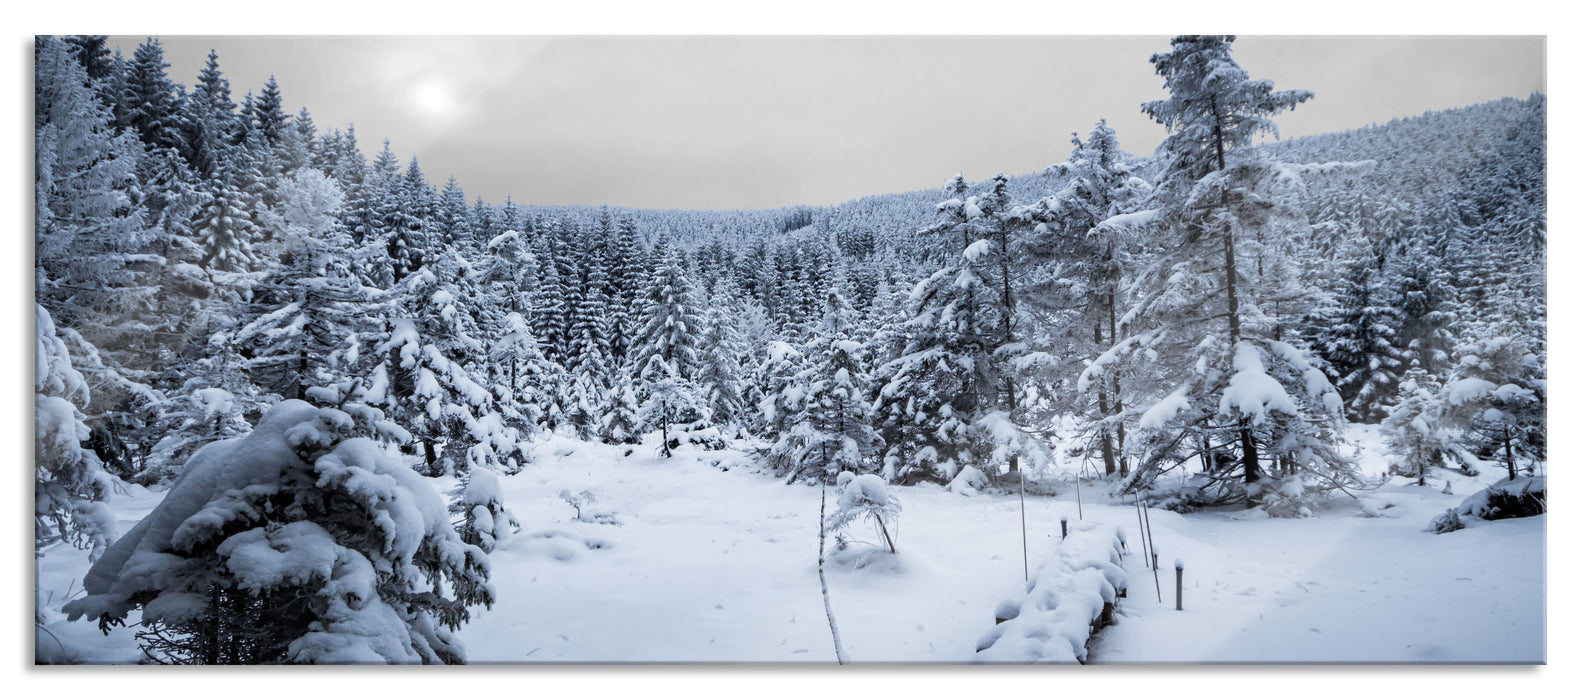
[[1068, 598], [70, 484], [304, 541], [863, 497], [1524, 497], [485, 518]]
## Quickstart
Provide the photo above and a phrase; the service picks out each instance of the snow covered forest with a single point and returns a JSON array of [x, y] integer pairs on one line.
[[296, 403]]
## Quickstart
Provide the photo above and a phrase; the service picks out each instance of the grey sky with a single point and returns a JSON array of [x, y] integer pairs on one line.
[[746, 122]]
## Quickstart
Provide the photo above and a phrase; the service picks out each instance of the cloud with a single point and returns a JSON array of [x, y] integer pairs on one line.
[[741, 122]]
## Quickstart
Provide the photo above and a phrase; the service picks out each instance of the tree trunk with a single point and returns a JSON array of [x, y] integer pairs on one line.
[[664, 429], [1249, 454], [302, 373]]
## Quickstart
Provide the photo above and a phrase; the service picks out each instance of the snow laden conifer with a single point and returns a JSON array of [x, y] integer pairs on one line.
[[217, 401], [88, 222], [720, 377], [665, 349], [945, 376], [485, 519], [620, 424], [1359, 343], [421, 378], [1208, 317], [831, 430], [1078, 245], [781, 402], [1414, 429], [314, 307], [70, 483], [304, 541], [520, 376], [1494, 404]]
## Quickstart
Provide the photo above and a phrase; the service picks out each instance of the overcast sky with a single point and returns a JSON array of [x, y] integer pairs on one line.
[[746, 122]]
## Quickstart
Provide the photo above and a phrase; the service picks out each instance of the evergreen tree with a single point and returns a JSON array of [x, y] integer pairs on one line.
[[719, 370], [1232, 217], [1081, 229], [665, 353], [219, 573], [149, 99], [70, 484], [269, 113], [1360, 343]]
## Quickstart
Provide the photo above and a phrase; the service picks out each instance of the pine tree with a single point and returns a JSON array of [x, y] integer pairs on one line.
[[719, 367], [620, 424], [1413, 429], [421, 379], [70, 484], [1081, 229], [269, 114], [1233, 219], [520, 374], [1360, 343], [149, 99], [217, 400], [87, 218], [1495, 402], [225, 229], [832, 431], [210, 573], [945, 376], [665, 354]]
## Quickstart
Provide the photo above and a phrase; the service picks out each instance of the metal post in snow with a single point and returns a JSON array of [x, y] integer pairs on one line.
[[1062, 527], [1179, 569], [1142, 536], [1079, 496], [1148, 522]]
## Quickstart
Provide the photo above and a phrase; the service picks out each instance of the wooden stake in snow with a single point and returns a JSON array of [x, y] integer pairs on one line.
[[1062, 527], [840, 652]]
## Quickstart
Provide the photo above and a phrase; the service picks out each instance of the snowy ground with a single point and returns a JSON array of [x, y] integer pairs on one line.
[[714, 563]]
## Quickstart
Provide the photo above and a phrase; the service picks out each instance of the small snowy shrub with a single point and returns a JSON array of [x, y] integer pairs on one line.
[[484, 515], [1291, 499], [864, 497], [304, 541], [581, 502]]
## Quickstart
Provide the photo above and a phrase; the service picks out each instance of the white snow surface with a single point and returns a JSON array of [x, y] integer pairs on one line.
[[717, 563]]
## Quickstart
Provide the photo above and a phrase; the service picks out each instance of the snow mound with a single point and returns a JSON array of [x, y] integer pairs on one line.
[[1069, 597]]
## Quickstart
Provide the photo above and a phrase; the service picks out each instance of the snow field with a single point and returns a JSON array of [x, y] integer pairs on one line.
[[717, 563]]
